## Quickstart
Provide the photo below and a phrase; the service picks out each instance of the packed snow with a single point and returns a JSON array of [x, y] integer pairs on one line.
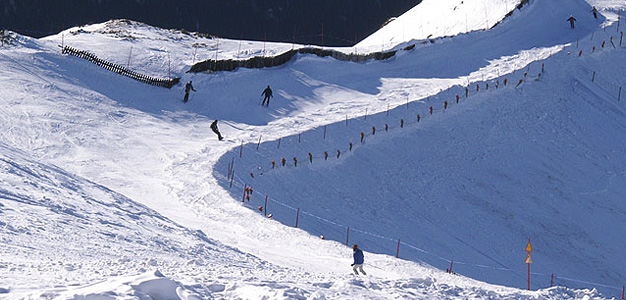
[[114, 189]]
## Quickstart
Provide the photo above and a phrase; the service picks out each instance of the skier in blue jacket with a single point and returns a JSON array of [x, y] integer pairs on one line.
[[358, 260]]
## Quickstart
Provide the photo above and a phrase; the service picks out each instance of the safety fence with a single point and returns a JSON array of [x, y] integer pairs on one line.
[[455, 95], [273, 61], [440, 103], [608, 39], [286, 213], [166, 83]]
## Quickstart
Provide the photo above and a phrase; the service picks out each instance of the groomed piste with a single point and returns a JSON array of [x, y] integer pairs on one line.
[[501, 126]]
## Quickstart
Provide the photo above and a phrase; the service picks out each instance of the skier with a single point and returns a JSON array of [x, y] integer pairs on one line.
[[214, 128], [571, 21], [188, 88], [358, 260], [268, 93], [595, 12]]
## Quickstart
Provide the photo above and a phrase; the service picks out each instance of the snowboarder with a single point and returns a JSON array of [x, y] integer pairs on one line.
[[595, 12], [268, 93], [214, 128], [358, 260], [188, 88], [571, 21]]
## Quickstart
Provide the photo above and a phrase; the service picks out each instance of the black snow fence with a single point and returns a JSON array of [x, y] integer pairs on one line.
[[258, 62], [166, 83]]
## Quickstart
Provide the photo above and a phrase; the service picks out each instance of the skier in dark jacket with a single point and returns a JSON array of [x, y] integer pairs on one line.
[[268, 93], [188, 88], [358, 260], [571, 21], [595, 12], [214, 128]]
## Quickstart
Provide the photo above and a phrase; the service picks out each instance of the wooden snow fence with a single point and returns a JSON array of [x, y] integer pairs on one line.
[[166, 83]]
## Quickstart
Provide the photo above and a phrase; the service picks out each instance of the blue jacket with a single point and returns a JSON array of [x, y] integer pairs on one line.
[[358, 256]]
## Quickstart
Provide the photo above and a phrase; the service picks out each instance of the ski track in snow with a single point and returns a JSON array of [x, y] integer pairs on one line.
[[114, 189]]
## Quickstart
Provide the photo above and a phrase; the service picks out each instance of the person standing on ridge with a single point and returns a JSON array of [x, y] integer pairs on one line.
[[268, 93], [217, 131], [358, 260], [571, 21], [188, 88], [595, 12]]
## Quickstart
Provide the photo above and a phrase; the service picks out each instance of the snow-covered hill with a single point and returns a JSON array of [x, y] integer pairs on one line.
[[439, 18], [115, 189]]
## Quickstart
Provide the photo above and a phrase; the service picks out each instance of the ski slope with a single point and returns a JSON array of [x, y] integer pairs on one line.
[[116, 189]]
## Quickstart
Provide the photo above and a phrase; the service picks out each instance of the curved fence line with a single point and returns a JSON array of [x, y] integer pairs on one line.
[[418, 117], [166, 83], [464, 92]]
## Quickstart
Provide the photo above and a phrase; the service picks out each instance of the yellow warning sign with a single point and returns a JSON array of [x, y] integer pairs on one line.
[[528, 260], [528, 247]]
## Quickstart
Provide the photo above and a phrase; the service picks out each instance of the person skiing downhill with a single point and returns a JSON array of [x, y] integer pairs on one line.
[[358, 260], [571, 20], [188, 88], [268, 93], [214, 128]]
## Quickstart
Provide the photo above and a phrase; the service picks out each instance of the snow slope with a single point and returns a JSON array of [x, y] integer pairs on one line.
[[115, 189], [439, 18]]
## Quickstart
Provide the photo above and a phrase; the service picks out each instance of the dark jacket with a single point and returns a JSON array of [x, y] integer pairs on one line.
[[214, 126], [189, 87], [267, 92], [358, 256]]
